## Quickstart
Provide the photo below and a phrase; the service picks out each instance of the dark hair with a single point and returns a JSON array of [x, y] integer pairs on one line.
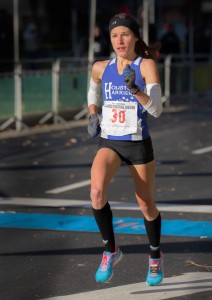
[[141, 48]]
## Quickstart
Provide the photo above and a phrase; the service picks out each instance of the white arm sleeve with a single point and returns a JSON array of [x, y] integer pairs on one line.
[[154, 106], [94, 93]]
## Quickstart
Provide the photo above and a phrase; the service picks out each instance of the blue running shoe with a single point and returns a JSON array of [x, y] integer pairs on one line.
[[109, 259], [155, 271]]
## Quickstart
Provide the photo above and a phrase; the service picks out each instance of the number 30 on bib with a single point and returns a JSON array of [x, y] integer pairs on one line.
[[119, 118]]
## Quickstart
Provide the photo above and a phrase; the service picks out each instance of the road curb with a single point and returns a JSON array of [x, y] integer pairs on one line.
[[39, 129]]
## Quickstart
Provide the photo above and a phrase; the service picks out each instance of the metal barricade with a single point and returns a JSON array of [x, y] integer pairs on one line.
[[50, 87]]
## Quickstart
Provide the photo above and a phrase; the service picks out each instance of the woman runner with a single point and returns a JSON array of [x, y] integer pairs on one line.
[[131, 90]]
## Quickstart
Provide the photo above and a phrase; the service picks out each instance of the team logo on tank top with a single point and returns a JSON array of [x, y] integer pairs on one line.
[[110, 90]]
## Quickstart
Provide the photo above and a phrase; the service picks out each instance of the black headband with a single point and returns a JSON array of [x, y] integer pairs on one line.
[[115, 22]]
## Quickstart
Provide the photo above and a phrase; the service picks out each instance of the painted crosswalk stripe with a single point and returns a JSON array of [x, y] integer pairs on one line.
[[172, 287], [202, 150], [88, 224], [69, 187], [119, 205]]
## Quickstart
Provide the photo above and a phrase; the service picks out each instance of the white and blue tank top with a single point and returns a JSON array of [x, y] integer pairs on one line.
[[123, 117]]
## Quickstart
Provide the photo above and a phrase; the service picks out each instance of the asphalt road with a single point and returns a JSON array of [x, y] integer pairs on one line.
[[50, 248]]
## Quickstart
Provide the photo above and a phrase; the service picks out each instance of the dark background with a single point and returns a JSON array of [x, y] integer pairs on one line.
[[61, 25]]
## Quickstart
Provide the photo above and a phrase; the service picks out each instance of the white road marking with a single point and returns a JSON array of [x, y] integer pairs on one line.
[[69, 187], [202, 150], [119, 205], [182, 285]]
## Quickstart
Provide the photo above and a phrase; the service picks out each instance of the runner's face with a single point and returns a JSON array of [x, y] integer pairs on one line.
[[123, 41]]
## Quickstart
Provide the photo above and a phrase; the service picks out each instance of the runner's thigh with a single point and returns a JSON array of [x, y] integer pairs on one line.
[[105, 165]]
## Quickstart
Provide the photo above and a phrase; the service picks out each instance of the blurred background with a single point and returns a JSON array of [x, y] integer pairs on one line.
[[47, 48]]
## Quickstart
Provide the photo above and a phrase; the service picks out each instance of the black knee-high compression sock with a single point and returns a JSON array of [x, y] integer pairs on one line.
[[153, 229], [104, 220]]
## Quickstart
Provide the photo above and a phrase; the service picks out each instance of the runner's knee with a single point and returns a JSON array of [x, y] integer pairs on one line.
[[97, 197]]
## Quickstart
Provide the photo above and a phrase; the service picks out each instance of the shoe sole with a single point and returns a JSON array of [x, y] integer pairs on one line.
[[118, 260]]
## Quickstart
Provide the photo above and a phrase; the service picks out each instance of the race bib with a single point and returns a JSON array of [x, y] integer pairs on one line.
[[119, 118]]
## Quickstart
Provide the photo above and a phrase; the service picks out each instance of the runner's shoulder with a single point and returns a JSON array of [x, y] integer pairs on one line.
[[99, 67]]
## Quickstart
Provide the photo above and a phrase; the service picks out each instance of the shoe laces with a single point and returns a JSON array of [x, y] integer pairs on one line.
[[155, 265], [105, 260]]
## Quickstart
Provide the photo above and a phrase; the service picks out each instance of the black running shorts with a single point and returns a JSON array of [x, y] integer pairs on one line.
[[131, 152]]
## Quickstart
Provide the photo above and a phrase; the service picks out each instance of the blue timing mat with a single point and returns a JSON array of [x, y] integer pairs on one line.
[[88, 224]]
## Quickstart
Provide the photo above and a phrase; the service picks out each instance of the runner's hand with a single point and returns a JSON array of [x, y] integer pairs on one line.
[[129, 77], [93, 125]]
